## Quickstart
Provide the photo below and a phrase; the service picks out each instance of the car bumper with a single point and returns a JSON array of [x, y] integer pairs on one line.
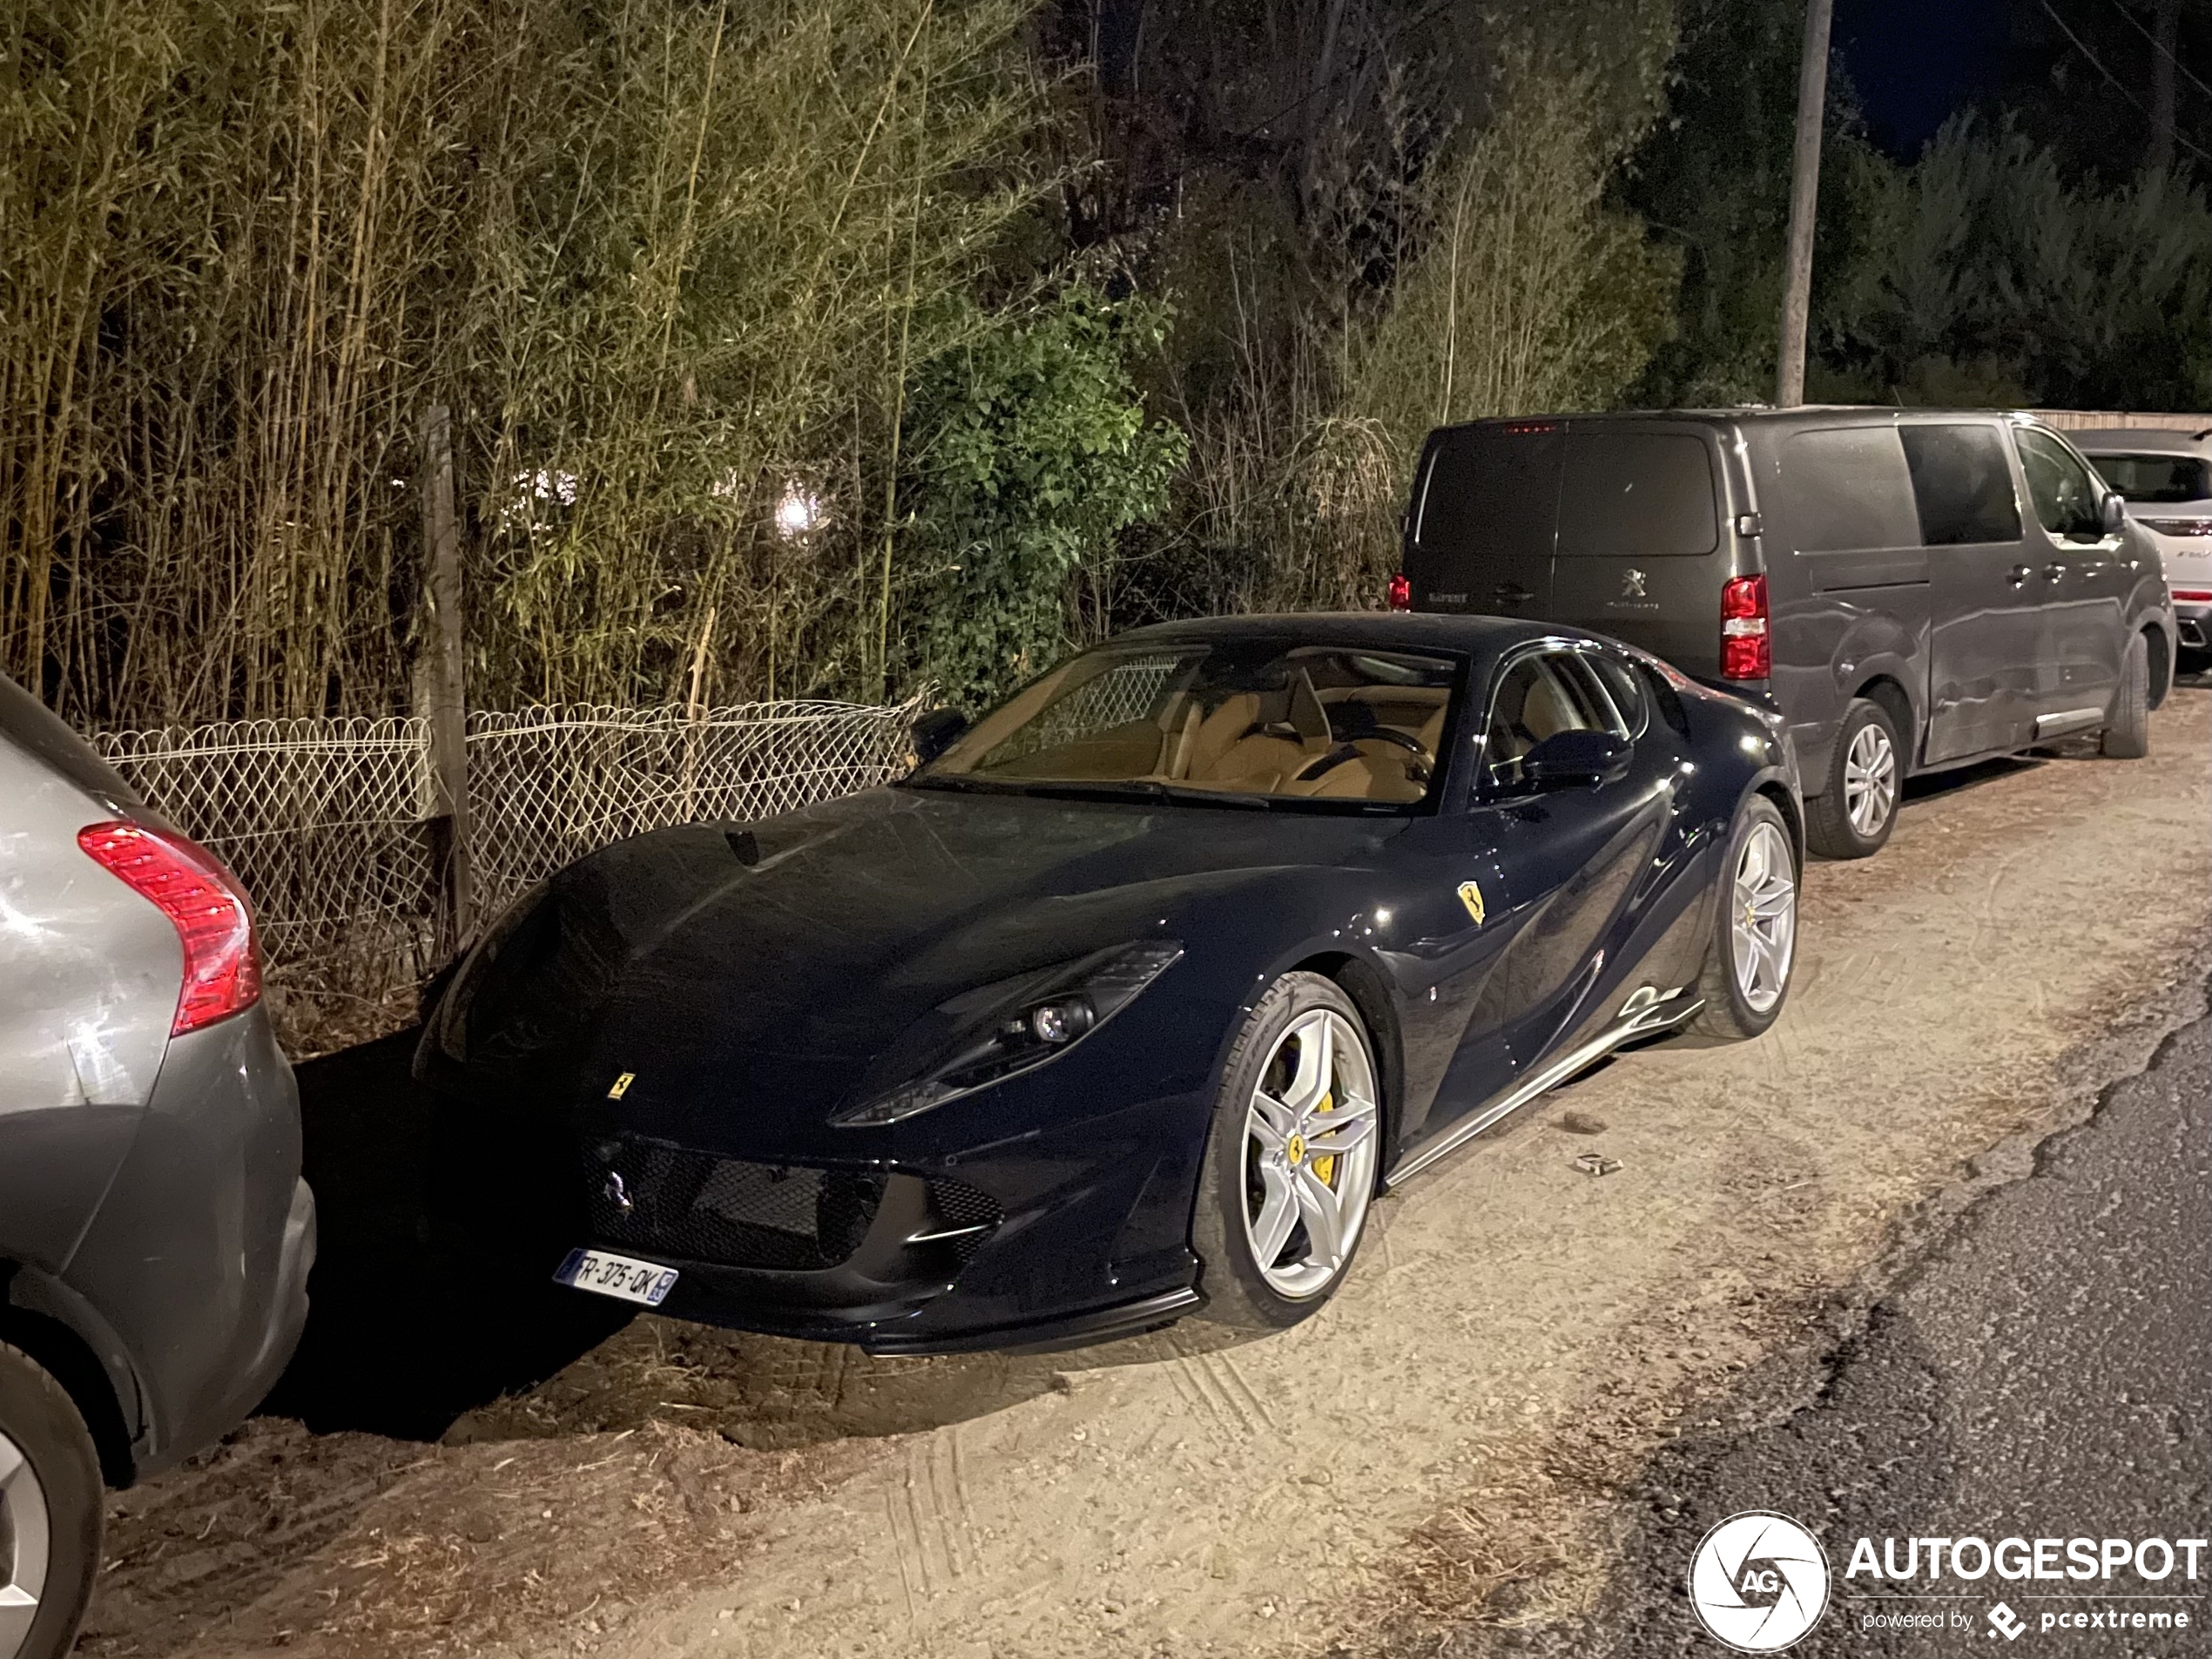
[[199, 1257], [1062, 1236]]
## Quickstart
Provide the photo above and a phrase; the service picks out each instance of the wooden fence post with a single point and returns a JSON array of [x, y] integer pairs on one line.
[[442, 640]]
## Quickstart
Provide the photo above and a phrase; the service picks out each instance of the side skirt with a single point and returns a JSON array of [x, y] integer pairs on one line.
[[1646, 1011]]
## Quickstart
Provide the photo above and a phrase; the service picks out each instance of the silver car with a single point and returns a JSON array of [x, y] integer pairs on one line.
[[155, 1235], [2166, 478]]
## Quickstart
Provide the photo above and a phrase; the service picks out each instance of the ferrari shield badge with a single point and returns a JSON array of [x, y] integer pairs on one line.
[[623, 1083], [1471, 896]]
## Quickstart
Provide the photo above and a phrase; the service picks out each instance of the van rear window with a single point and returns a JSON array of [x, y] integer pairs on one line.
[[1492, 488], [1961, 484], [1636, 494]]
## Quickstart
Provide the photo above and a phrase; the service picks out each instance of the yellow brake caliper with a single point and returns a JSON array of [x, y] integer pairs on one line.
[[1324, 1170]]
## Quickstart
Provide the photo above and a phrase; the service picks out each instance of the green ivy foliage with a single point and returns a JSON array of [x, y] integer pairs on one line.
[[1032, 454]]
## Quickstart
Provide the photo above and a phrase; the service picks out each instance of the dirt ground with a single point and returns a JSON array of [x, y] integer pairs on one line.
[[1443, 1442]]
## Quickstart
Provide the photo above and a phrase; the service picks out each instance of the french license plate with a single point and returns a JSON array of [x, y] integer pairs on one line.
[[610, 1275]]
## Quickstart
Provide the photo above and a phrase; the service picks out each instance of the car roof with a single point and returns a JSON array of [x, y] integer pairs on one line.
[[2142, 441], [1367, 629]]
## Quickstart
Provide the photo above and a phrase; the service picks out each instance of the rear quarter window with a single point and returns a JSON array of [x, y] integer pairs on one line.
[[1637, 494], [1961, 485]]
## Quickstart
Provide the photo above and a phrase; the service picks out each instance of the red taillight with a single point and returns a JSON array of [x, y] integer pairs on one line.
[[200, 898], [1399, 593], [2194, 595], [1746, 651]]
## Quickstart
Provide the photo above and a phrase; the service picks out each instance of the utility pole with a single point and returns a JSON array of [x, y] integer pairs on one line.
[[443, 641], [1805, 198]]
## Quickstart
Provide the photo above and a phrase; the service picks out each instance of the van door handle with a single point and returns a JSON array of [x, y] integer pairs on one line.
[[2021, 573], [1514, 592], [2054, 570]]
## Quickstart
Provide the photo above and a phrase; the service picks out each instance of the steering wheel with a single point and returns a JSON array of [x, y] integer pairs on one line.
[[1344, 751]]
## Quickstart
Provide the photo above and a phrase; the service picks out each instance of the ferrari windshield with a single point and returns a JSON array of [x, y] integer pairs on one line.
[[1233, 719]]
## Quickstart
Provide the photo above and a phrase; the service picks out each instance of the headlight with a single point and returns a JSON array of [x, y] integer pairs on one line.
[[1012, 1028]]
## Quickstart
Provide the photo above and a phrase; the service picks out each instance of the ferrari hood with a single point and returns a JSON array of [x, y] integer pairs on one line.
[[800, 948]]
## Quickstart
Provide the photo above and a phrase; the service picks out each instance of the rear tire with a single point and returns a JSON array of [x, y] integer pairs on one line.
[[1856, 810], [1759, 873], [2126, 734], [51, 1499], [1292, 1157]]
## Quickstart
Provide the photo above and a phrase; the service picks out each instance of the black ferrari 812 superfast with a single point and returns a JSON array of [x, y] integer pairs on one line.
[[1132, 998]]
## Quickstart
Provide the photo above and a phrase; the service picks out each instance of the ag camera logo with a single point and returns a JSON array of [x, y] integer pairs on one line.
[[1758, 1581]]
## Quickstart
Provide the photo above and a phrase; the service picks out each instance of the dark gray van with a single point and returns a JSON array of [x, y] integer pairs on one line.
[[1913, 590]]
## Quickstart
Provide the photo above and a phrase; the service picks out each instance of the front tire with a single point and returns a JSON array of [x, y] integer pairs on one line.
[[50, 1508], [2126, 734], [1856, 810], [1753, 949], [1292, 1159]]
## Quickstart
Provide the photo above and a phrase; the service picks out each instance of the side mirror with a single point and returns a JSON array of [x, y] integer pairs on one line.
[[1565, 758], [937, 731], [2114, 510]]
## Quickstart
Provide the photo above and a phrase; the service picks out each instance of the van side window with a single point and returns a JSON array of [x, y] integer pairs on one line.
[[1636, 494], [1961, 484], [1542, 694], [2068, 501], [1848, 490]]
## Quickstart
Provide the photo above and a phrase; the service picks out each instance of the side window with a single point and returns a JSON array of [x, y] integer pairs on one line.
[[1541, 693], [1847, 490], [1664, 699], [2068, 499], [1624, 686], [1960, 484]]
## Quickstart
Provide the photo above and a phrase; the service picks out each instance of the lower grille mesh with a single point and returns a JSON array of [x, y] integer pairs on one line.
[[670, 1201]]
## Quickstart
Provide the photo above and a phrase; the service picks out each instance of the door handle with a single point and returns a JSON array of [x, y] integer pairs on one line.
[[2021, 573], [2054, 570], [1514, 592]]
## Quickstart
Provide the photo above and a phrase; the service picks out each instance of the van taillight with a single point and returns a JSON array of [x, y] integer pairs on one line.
[[1747, 653], [1399, 593], [202, 900]]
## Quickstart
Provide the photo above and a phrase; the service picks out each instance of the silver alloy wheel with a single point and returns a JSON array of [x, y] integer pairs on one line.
[[24, 1544], [1870, 780], [1762, 923], [1311, 1140]]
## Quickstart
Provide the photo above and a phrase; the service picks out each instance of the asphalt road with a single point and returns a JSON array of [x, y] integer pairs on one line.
[[2046, 1370]]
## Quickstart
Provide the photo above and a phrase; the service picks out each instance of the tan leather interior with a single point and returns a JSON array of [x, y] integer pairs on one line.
[[1267, 742]]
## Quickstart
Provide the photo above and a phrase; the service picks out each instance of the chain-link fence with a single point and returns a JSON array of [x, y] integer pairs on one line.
[[333, 824], [547, 784]]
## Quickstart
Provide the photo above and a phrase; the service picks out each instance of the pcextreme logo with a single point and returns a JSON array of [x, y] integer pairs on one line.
[[1758, 1581]]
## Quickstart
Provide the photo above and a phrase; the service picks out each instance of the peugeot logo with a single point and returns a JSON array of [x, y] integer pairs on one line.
[[1632, 584], [616, 1193]]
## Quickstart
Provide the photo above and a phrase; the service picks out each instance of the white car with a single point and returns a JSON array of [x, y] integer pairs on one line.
[[2166, 478]]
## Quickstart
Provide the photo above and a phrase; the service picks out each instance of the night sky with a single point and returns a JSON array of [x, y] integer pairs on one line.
[[1915, 62]]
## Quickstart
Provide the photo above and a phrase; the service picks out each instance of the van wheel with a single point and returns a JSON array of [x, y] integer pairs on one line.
[[51, 1501], [1851, 817], [2127, 735]]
